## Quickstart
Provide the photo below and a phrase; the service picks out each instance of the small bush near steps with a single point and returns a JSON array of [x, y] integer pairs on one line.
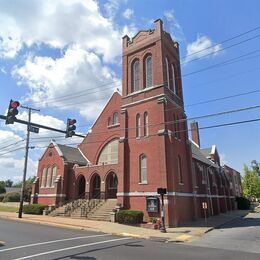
[[36, 209], [130, 217]]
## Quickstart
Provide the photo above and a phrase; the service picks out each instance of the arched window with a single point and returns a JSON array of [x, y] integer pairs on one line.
[[109, 154], [179, 169], [136, 76], [138, 125], [167, 73], [148, 72], [48, 180], [146, 132], [143, 169], [173, 80], [43, 182], [54, 175], [115, 118]]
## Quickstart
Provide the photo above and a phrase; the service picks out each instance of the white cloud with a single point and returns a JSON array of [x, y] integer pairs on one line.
[[2, 70], [174, 26], [223, 159], [57, 24], [202, 46], [128, 13], [78, 80], [11, 168]]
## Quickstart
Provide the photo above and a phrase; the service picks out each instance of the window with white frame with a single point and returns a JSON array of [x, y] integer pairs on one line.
[[173, 79], [115, 118], [146, 130], [109, 154], [54, 175], [143, 169], [136, 76], [148, 72], [43, 180], [167, 72], [138, 126], [48, 180]]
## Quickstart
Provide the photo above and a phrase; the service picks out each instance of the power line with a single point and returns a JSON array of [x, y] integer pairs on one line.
[[226, 40], [1, 148], [80, 93], [179, 131], [222, 49], [12, 151]]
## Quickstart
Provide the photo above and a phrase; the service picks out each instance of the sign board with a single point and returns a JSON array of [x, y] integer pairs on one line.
[[161, 191], [204, 205], [152, 204], [34, 129]]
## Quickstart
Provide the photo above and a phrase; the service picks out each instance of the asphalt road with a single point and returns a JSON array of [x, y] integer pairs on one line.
[[31, 241]]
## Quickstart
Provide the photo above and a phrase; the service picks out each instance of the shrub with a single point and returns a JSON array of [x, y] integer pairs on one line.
[[2, 197], [243, 203], [12, 197], [36, 209], [130, 216]]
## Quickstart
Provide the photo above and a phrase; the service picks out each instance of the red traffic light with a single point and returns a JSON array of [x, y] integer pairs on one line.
[[72, 121], [15, 104]]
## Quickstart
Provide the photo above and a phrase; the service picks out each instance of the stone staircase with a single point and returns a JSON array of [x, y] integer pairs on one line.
[[94, 209], [103, 212]]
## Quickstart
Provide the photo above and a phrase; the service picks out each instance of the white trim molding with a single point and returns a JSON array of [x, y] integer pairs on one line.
[[48, 195]]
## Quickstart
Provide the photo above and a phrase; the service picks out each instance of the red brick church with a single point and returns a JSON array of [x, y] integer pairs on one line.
[[139, 143]]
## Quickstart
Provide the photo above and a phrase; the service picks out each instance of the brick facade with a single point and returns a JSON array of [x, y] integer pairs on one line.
[[153, 149]]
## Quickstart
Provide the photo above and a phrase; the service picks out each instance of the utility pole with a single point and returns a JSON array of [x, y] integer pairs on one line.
[[26, 158]]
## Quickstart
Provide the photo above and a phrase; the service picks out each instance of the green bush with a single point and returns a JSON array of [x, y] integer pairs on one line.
[[36, 209], [130, 216], [243, 203], [2, 197], [12, 197]]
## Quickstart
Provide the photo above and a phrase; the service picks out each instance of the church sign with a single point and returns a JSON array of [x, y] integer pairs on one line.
[[152, 204]]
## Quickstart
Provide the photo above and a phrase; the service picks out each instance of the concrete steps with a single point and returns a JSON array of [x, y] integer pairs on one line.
[[103, 212]]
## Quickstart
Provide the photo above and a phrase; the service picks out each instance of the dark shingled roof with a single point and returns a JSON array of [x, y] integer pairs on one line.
[[72, 155], [199, 155]]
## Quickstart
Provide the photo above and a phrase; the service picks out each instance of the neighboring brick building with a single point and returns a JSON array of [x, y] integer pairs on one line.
[[139, 143]]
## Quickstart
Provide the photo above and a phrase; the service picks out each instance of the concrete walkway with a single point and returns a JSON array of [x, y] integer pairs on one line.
[[190, 232]]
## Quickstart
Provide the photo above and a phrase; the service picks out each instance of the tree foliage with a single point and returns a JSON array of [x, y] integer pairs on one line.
[[2, 187], [8, 183], [251, 180]]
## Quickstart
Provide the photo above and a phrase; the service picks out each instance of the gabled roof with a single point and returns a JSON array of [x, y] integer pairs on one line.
[[71, 154], [200, 156]]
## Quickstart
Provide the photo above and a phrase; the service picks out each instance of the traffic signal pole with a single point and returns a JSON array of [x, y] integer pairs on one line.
[[25, 159]]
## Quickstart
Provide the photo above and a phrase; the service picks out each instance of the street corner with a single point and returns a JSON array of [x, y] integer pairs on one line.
[[125, 234], [182, 239]]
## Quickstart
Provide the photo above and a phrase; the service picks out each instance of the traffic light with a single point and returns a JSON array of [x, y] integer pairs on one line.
[[12, 112], [70, 129]]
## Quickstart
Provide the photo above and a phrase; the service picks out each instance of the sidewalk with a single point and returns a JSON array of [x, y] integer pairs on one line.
[[190, 232]]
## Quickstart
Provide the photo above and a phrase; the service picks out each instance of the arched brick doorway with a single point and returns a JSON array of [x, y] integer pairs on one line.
[[81, 185], [95, 186], [111, 185]]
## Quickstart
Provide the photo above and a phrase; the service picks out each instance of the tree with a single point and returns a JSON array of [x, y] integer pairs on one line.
[[27, 187], [251, 180], [2, 187], [8, 183]]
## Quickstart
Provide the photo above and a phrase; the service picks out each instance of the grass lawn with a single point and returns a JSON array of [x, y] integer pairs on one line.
[[8, 209]]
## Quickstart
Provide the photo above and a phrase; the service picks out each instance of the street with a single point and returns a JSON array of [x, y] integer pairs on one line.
[[237, 240]]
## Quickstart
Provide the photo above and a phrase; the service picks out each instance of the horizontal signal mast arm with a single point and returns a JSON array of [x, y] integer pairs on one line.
[[41, 126]]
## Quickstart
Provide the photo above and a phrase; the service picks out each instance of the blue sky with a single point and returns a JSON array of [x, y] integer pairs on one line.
[[64, 57]]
